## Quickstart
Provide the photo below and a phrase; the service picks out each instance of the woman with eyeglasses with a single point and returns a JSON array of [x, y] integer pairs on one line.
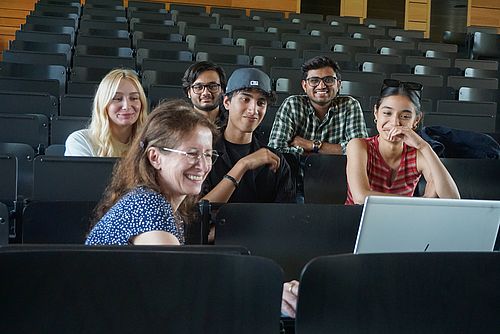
[[155, 186], [392, 162], [120, 108]]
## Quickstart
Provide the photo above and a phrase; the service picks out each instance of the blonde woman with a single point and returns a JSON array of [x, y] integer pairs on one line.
[[120, 107]]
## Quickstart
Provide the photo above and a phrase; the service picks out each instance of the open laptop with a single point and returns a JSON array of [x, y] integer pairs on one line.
[[409, 224]]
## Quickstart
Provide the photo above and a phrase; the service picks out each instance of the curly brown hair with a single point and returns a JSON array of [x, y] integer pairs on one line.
[[166, 126]]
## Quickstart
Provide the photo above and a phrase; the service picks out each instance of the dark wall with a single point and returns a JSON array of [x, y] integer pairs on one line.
[[325, 7], [448, 15], [387, 9]]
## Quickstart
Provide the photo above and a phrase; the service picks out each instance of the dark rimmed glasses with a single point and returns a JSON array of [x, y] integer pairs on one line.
[[199, 88], [193, 157], [315, 81], [408, 85]]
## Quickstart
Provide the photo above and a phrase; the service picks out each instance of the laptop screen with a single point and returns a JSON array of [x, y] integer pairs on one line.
[[409, 224]]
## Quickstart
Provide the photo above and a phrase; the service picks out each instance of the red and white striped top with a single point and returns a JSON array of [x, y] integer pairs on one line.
[[380, 174]]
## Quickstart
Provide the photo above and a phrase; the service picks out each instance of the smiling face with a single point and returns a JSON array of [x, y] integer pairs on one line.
[[206, 100], [395, 110], [247, 109], [178, 176], [124, 109], [322, 94]]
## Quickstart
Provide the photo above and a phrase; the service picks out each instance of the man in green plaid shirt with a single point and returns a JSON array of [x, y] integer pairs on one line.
[[320, 121]]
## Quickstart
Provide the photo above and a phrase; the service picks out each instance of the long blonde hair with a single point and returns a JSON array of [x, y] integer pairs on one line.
[[166, 126], [99, 128]]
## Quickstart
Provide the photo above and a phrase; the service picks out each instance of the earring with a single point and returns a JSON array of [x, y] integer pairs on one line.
[[375, 121]]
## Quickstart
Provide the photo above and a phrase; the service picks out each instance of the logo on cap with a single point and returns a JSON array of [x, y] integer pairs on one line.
[[254, 83]]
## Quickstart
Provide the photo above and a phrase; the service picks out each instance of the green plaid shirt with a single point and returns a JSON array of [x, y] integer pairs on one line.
[[295, 117]]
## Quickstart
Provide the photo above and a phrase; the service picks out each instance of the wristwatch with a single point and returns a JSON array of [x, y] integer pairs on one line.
[[316, 146]]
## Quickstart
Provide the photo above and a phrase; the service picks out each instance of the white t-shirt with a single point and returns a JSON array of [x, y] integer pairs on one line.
[[79, 144]]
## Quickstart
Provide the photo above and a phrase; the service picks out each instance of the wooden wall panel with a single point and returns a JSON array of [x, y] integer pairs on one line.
[[483, 13], [356, 8], [418, 15]]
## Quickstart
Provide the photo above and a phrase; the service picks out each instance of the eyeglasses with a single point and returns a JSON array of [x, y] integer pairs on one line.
[[328, 81], [212, 88], [194, 157], [408, 85]]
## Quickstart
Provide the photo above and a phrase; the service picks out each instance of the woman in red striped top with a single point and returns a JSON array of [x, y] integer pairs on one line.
[[392, 162]]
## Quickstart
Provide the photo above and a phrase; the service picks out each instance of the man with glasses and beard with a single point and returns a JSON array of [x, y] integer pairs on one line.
[[320, 121], [204, 84]]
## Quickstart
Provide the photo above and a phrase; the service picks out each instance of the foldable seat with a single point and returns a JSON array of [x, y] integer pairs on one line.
[[115, 33], [24, 154], [461, 39], [88, 88], [196, 20], [70, 20], [147, 16], [378, 58], [387, 69], [137, 35], [478, 95], [486, 46], [49, 86], [43, 7], [305, 17], [55, 149], [474, 63], [31, 57], [50, 29], [445, 72], [16, 102], [95, 17], [62, 126], [158, 77], [104, 12], [417, 34], [475, 177], [342, 19], [339, 57], [156, 93], [206, 32], [8, 189], [142, 54], [193, 40], [40, 36], [76, 105], [136, 12], [432, 62], [255, 35], [224, 12], [162, 28], [273, 52], [325, 179], [380, 22], [88, 74], [349, 41], [293, 82], [460, 81], [223, 58], [334, 227], [158, 45], [389, 293], [266, 14], [35, 71], [239, 292], [480, 73], [105, 62], [98, 24], [232, 24], [442, 47], [32, 129], [103, 51], [62, 48], [145, 5], [470, 116], [373, 32], [103, 41], [173, 66], [230, 68], [54, 178], [300, 46], [184, 9]]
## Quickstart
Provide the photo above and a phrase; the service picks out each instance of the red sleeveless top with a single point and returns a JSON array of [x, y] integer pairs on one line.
[[380, 174]]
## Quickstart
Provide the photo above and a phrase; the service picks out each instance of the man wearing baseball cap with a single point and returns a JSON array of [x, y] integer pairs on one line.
[[246, 170]]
